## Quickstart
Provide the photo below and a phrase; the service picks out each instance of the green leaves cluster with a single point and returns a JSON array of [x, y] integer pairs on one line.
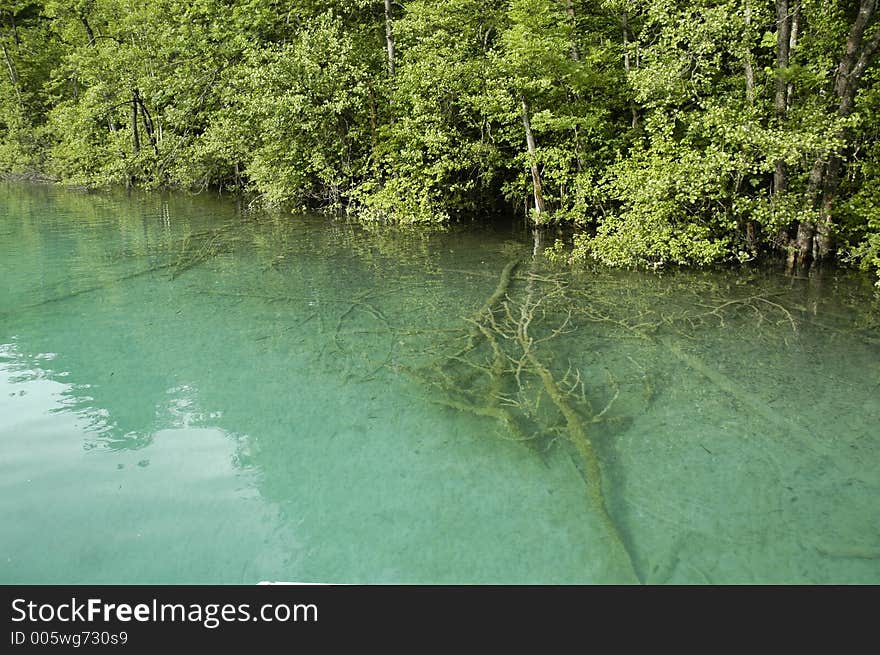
[[655, 123]]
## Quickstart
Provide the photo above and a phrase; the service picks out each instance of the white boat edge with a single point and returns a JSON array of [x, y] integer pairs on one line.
[[300, 584]]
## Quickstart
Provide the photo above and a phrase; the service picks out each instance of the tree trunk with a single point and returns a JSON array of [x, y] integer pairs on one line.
[[748, 65], [853, 62], [533, 162], [135, 137], [626, 63], [148, 122], [801, 256], [88, 28], [12, 76], [389, 38], [792, 44], [815, 239], [575, 52], [751, 226], [537, 242], [15, 36], [783, 44]]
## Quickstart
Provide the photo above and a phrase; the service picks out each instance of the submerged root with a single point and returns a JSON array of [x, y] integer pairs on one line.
[[849, 553], [197, 248], [498, 374], [576, 434], [92, 289]]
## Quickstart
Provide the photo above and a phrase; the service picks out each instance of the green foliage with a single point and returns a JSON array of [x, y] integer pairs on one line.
[[28, 54], [437, 155], [862, 220], [650, 137], [671, 209], [298, 118]]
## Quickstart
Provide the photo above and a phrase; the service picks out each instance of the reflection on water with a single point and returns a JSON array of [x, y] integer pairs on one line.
[[193, 393]]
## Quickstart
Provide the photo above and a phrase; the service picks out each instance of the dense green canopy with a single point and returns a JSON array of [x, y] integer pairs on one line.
[[665, 131]]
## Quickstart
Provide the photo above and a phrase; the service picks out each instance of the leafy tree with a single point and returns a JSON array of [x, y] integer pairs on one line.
[[664, 131]]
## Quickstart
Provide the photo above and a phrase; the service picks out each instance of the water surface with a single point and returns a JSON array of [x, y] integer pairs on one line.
[[194, 393]]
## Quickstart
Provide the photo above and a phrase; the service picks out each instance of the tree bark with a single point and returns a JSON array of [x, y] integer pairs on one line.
[[792, 44], [88, 28], [12, 75], [748, 65], [15, 36], [815, 239], [575, 52], [626, 62], [149, 128], [135, 137], [389, 38], [533, 162], [537, 242], [783, 44]]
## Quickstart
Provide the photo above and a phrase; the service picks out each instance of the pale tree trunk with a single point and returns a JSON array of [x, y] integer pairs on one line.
[[748, 64], [569, 8], [533, 162], [389, 38], [12, 75], [783, 44], [537, 242], [792, 44]]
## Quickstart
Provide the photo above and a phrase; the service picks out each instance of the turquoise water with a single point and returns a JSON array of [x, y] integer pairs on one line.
[[191, 392]]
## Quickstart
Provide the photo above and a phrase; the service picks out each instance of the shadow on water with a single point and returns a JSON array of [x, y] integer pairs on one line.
[[393, 405]]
